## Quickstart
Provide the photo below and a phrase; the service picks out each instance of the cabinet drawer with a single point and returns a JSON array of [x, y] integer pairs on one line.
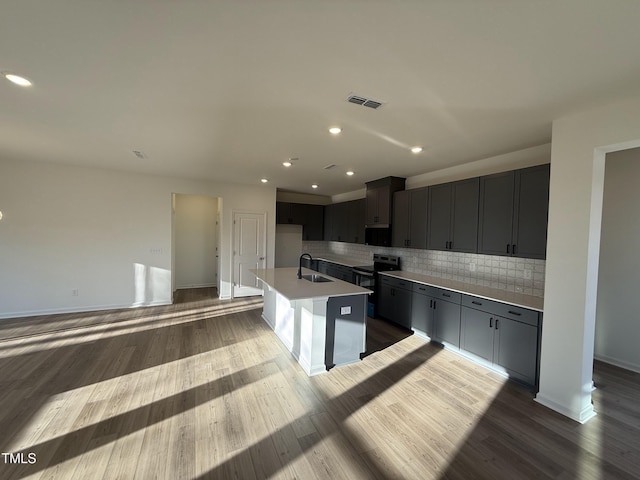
[[425, 289], [447, 295], [436, 292], [395, 282], [520, 314]]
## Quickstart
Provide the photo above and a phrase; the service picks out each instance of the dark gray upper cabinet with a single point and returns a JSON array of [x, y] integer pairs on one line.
[[283, 213], [311, 217], [344, 222], [379, 200], [453, 216], [356, 220], [401, 219], [312, 229], [513, 213], [336, 225], [409, 220], [496, 213], [329, 211], [531, 212]]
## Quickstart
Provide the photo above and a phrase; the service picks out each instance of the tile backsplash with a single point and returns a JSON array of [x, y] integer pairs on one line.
[[506, 273]]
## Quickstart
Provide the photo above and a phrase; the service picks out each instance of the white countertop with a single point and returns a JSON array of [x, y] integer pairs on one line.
[[512, 298], [286, 282]]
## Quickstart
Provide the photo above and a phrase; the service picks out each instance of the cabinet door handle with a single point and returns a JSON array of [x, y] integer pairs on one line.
[[446, 295], [514, 313], [430, 303], [476, 303], [508, 248], [434, 304], [490, 322], [451, 245], [496, 324], [513, 248]]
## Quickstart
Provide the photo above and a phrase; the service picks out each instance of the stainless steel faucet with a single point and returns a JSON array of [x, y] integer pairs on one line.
[[300, 263]]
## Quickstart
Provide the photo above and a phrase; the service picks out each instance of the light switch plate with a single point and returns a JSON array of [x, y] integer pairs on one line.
[[345, 310]]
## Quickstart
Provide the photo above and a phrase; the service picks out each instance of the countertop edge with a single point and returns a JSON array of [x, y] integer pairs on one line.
[[521, 300], [287, 287]]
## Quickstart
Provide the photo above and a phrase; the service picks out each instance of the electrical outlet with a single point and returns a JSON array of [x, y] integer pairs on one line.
[[74, 292], [472, 267], [345, 310], [527, 274]]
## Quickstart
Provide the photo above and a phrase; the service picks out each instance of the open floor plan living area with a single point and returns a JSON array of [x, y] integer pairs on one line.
[[204, 389]]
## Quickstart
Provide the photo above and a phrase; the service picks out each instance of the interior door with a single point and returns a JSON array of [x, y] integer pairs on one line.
[[249, 246]]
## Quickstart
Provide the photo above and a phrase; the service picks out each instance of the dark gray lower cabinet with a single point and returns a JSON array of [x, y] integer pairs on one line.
[[436, 313], [512, 344], [394, 300], [340, 272], [501, 336], [446, 322]]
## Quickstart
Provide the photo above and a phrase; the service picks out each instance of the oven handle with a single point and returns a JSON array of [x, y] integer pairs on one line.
[[362, 273]]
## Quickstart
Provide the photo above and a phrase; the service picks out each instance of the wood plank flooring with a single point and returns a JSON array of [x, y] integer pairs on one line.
[[204, 389]]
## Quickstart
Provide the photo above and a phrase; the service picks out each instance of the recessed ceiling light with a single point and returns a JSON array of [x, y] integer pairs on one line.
[[416, 149], [18, 80], [264, 180], [335, 130], [315, 185], [287, 163], [350, 172]]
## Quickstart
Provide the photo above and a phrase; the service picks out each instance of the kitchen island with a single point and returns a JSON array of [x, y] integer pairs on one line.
[[322, 323]]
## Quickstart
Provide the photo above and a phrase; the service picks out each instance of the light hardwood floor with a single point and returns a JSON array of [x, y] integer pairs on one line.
[[204, 389]]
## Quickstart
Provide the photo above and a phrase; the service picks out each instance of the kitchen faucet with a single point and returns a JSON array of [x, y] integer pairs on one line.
[[300, 263]]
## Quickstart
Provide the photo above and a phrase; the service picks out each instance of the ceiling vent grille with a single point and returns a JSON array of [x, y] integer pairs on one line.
[[365, 102]]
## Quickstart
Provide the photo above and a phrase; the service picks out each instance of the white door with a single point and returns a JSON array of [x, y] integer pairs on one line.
[[249, 245]]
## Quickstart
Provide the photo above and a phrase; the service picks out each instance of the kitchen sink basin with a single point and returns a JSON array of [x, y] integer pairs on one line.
[[316, 278]]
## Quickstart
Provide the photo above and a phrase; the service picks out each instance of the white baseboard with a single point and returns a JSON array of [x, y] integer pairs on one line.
[[86, 308], [618, 363], [581, 417], [195, 285]]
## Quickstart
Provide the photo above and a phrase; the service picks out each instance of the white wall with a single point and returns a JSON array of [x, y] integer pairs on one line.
[[580, 143], [617, 317], [105, 233], [195, 241]]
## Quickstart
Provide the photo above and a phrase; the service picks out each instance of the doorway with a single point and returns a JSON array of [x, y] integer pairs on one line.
[[617, 305], [196, 243]]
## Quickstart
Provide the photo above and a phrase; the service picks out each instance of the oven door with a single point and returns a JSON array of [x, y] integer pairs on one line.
[[364, 279]]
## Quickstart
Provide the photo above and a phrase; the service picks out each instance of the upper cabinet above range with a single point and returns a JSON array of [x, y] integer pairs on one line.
[[379, 202], [513, 213]]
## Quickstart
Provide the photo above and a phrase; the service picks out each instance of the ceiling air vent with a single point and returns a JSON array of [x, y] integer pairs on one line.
[[365, 102], [329, 167]]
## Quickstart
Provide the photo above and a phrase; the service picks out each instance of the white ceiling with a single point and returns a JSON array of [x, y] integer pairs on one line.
[[227, 90]]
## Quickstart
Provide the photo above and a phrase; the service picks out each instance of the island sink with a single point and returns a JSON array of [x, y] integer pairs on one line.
[[316, 278]]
